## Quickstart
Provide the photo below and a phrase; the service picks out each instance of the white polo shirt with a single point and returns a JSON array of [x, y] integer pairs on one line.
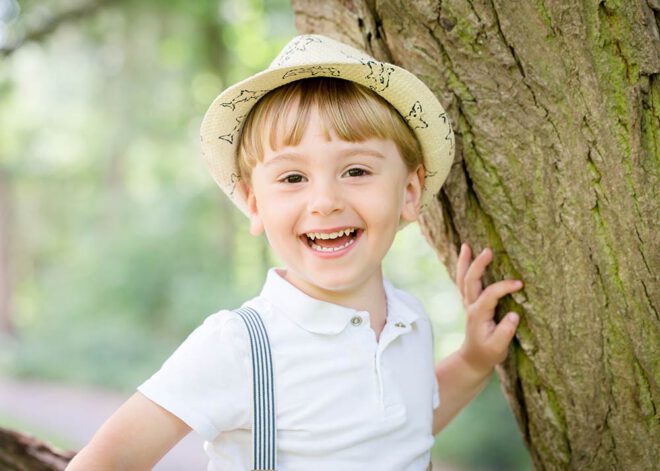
[[344, 401]]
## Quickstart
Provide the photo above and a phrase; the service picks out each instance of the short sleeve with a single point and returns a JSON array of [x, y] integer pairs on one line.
[[205, 382]]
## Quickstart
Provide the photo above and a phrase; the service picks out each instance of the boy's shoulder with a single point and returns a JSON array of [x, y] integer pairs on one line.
[[224, 318], [223, 322], [228, 317]]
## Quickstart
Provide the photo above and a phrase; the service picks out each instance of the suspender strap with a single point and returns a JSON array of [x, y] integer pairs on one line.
[[263, 417]]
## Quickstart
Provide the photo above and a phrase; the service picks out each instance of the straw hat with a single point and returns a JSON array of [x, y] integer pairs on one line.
[[314, 55]]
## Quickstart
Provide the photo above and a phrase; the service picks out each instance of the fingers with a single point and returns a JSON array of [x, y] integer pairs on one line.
[[462, 265], [469, 280], [487, 342], [499, 341], [484, 306], [472, 280]]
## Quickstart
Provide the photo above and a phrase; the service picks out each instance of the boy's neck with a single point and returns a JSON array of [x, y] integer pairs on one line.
[[369, 297]]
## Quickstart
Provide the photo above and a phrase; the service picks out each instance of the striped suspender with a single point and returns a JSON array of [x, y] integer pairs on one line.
[[263, 417]]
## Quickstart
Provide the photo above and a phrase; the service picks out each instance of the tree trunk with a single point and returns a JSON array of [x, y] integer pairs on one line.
[[556, 107]]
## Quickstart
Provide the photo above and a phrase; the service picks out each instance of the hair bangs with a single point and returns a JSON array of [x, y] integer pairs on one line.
[[352, 111]]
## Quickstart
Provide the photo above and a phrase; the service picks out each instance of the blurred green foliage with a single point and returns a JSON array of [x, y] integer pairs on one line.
[[121, 244]]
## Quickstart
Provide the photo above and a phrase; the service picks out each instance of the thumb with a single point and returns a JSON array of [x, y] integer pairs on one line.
[[503, 333]]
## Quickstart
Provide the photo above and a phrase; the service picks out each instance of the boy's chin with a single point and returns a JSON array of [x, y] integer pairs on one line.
[[331, 281]]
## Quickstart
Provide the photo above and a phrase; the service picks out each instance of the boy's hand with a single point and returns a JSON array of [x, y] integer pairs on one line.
[[486, 343]]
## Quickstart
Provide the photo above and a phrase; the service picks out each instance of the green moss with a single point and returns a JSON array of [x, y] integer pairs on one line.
[[530, 382], [646, 405], [609, 33], [612, 5], [534, 387], [650, 124], [486, 177], [545, 16], [595, 173], [454, 83], [464, 31], [555, 408], [602, 234], [458, 87], [612, 67]]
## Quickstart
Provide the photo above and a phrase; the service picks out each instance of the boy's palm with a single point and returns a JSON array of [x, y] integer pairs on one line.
[[486, 343]]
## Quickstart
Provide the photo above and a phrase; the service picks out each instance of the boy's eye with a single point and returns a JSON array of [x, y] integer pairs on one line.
[[293, 178], [356, 172]]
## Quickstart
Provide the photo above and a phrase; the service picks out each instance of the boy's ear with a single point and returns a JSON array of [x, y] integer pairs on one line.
[[256, 224], [413, 194]]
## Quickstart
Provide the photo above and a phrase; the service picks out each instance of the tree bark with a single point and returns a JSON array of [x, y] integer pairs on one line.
[[556, 108], [21, 452]]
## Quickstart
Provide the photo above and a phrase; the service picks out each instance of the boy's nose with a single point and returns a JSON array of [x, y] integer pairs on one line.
[[325, 198]]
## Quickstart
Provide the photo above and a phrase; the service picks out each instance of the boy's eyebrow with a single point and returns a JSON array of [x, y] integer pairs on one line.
[[293, 156]]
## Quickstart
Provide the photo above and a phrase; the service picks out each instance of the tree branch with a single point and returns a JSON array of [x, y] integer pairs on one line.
[[46, 26], [19, 451]]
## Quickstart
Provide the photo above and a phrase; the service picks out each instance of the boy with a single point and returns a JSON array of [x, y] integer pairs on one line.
[[329, 152]]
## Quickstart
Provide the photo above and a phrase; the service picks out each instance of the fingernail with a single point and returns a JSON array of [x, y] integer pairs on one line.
[[518, 283], [513, 318]]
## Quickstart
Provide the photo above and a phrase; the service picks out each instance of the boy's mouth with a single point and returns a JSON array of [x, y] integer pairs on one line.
[[331, 241]]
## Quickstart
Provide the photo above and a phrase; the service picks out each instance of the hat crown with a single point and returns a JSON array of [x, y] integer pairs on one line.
[[309, 49]]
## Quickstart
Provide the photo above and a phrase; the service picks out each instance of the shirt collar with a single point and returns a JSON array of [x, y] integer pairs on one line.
[[322, 317]]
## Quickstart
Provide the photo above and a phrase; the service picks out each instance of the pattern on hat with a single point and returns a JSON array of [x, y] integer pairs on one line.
[[229, 138], [313, 70], [244, 97], [414, 117], [450, 134], [427, 174], [234, 178], [379, 75], [298, 45]]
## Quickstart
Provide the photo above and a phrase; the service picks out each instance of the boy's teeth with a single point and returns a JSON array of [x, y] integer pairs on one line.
[[332, 249], [331, 235]]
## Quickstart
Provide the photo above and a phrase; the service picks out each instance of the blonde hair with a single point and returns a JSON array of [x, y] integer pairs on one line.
[[354, 112]]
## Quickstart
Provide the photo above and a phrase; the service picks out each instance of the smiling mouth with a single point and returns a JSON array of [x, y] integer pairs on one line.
[[333, 242]]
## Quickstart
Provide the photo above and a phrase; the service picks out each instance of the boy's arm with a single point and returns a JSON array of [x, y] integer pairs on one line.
[[135, 437], [465, 372], [458, 384]]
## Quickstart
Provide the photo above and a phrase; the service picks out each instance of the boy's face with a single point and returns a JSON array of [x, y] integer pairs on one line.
[[328, 186]]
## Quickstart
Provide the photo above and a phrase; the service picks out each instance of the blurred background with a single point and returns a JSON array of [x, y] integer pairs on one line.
[[114, 241]]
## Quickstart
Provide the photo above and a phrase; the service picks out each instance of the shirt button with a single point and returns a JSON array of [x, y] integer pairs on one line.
[[356, 321]]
